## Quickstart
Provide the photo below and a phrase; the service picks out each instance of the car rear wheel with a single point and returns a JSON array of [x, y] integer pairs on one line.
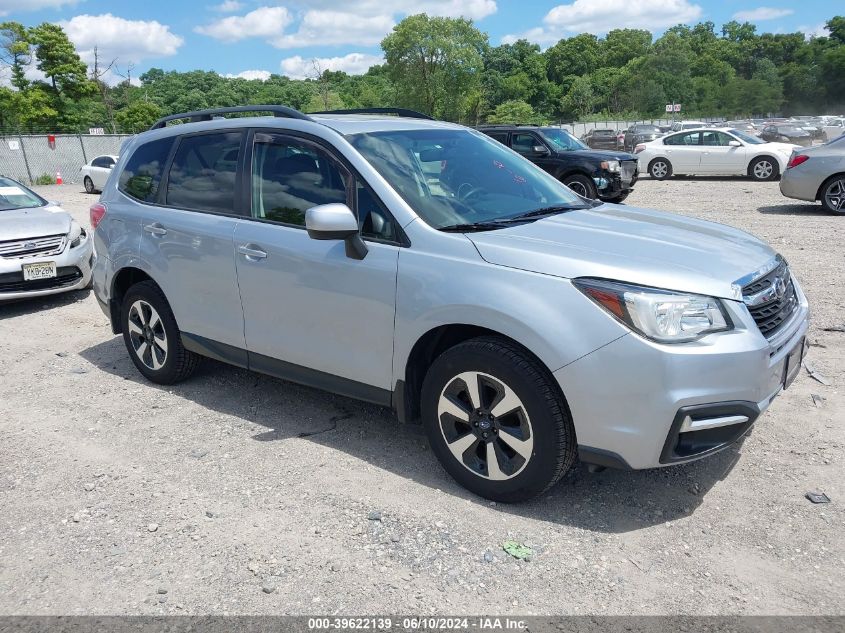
[[833, 194], [660, 169], [763, 168], [582, 185], [152, 337], [89, 184], [496, 420]]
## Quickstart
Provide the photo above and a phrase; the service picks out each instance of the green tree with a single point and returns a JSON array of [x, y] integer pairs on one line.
[[138, 116], [434, 63], [58, 60], [622, 45], [513, 111], [579, 55], [16, 51]]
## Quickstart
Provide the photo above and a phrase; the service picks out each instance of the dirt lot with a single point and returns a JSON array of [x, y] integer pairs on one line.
[[121, 497]]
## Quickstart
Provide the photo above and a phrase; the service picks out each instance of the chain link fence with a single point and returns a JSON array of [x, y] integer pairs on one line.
[[27, 158]]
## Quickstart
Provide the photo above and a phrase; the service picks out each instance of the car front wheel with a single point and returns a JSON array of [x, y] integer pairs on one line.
[[496, 420], [582, 185], [89, 184], [152, 337], [763, 168], [660, 169]]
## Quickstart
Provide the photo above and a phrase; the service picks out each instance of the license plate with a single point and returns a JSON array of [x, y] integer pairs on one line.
[[41, 270], [792, 364]]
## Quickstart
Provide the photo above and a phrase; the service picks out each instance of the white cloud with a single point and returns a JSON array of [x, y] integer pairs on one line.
[[16, 6], [263, 22], [128, 41], [761, 13], [332, 28], [595, 16], [263, 75], [297, 67], [819, 30], [472, 9], [228, 6]]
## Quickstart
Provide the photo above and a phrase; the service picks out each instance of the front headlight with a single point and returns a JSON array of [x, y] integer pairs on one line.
[[660, 315], [76, 235], [610, 165]]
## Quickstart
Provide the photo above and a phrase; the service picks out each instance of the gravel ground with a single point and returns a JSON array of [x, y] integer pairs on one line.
[[122, 497]]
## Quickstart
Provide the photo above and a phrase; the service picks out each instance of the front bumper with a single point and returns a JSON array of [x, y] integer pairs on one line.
[[612, 185], [630, 398], [73, 272]]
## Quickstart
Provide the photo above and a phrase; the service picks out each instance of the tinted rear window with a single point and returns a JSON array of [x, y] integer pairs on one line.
[[202, 176], [141, 177]]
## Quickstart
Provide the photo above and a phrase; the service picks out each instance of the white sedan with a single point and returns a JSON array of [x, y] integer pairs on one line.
[[713, 151], [96, 172]]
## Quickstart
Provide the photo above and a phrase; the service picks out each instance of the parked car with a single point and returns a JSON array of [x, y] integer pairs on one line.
[[786, 133], [743, 126], [677, 126], [595, 174], [817, 173], [833, 129], [96, 172], [521, 324], [708, 151], [640, 133], [43, 251], [601, 139]]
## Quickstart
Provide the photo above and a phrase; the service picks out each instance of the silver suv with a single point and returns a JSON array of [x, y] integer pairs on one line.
[[423, 266]]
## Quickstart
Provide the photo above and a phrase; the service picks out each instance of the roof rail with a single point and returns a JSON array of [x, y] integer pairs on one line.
[[411, 114], [206, 115]]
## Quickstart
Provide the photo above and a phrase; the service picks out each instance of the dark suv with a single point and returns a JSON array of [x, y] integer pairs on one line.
[[604, 174]]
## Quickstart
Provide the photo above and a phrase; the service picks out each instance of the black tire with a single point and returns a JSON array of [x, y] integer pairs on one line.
[[832, 194], [542, 409], [177, 363], [618, 199], [582, 185], [89, 185], [763, 168], [660, 169]]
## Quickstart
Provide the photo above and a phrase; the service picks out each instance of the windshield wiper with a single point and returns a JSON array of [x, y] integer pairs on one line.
[[558, 208], [476, 226]]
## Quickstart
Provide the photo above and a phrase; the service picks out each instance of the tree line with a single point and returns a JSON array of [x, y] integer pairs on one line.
[[447, 68]]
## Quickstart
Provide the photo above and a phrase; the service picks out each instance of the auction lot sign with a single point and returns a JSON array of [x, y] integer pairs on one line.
[[411, 623]]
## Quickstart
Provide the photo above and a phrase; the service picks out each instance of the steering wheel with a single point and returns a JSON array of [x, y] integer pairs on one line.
[[469, 192]]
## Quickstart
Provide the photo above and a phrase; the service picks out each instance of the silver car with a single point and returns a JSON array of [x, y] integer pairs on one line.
[[43, 251], [817, 173], [422, 266]]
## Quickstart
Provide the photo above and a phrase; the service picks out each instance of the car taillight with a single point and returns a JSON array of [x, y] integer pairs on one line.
[[96, 213], [796, 160], [639, 148]]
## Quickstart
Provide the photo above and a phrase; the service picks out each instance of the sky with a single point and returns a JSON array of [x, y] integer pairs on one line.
[[254, 38]]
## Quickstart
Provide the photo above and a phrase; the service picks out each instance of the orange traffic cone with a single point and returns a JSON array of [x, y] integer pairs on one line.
[[59, 178]]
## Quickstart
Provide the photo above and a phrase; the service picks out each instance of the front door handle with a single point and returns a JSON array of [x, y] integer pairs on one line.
[[155, 229], [251, 251]]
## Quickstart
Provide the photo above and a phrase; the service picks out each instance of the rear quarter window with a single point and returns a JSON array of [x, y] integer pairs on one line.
[[141, 177]]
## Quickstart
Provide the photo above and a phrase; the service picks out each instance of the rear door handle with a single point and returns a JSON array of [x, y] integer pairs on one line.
[[155, 229], [251, 251]]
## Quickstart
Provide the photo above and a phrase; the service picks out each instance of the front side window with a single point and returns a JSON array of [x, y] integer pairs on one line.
[[524, 143], [290, 175], [690, 138], [141, 177], [561, 140], [202, 176], [715, 138], [455, 176]]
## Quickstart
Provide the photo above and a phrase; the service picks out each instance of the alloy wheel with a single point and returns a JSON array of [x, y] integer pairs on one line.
[[579, 188], [659, 169], [147, 335], [485, 426], [834, 195], [763, 170]]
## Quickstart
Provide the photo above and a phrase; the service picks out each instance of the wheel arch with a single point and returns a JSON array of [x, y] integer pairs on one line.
[[426, 349], [827, 180], [123, 280], [758, 157]]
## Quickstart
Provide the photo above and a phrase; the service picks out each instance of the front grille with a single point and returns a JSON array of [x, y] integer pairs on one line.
[[771, 299], [32, 247], [65, 276], [629, 171]]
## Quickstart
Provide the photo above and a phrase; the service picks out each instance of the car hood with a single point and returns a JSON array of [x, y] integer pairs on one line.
[[599, 154], [783, 148], [20, 224], [639, 246]]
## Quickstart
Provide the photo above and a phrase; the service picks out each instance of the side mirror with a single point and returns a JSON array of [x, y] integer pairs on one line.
[[541, 150], [336, 222], [734, 144]]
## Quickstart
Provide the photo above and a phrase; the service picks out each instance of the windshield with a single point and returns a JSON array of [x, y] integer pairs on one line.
[[453, 176], [561, 140], [751, 140], [647, 129], [15, 196]]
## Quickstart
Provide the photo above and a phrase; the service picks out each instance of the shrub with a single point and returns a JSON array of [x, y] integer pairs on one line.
[[44, 179]]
